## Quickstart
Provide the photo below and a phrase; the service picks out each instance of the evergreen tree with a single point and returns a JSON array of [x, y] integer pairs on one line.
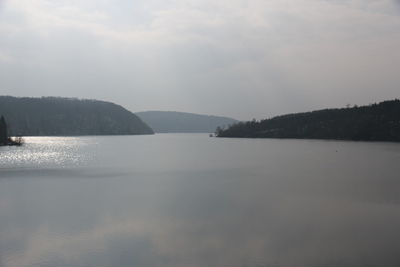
[[3, 130]]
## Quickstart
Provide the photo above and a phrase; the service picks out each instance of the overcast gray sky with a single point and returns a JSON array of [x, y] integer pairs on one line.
[[241, 58]]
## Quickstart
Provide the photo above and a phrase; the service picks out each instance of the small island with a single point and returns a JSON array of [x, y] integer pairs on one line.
[[5, 140], [375, 122]]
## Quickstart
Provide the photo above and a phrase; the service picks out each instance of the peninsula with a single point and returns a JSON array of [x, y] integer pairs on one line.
[[375, 122]]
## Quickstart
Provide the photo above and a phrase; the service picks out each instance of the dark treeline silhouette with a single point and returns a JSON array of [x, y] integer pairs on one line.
[[376, 122], [5, 140], [48, 116], [3, 131]]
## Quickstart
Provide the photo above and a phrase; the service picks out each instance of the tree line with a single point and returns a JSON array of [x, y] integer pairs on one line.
[[4, 138], [375, 122], [55, 116]]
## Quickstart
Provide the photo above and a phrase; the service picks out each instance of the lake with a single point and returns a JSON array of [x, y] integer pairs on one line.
[[191, 200]]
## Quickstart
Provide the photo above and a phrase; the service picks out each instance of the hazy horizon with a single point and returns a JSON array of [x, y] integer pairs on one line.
[[234, 58]]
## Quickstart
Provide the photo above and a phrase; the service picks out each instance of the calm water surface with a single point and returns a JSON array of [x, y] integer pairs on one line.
[[190, 200]]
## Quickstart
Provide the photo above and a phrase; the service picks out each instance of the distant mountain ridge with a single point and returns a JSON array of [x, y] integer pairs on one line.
[[56, 116], [183, 122], [376, 122]]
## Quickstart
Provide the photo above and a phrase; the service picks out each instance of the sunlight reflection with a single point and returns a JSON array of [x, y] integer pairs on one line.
[[45, 151]]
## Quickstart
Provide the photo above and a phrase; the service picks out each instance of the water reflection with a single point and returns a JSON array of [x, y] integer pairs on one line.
[[45, 151], [314, 209]]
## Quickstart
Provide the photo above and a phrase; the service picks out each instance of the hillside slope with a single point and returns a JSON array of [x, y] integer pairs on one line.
[[376, 122], [49, 116], [181, 122]]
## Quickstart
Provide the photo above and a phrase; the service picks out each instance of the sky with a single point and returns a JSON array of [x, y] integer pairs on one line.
[[240, 58]]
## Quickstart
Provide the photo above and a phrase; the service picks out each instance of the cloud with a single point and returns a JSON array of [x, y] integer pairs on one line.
[[290, 54]]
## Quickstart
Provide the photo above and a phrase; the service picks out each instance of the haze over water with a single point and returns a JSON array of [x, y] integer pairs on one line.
[[190, 200]]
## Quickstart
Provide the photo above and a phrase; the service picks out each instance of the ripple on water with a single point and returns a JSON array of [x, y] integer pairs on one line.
[[46, 152]]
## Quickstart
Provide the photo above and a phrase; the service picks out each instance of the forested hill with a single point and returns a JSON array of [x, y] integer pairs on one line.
[[48, 116], [376, 122], [182, 122]]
